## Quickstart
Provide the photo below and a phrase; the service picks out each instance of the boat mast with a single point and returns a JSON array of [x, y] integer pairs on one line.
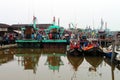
[[34, 22], [58, 21], [54, 20], [102, 23]]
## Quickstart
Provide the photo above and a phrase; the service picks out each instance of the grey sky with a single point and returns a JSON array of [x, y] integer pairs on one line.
[[80, 12]]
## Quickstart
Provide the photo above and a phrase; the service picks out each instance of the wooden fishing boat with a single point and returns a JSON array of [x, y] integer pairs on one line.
[[109, 53], [83, 39], [117, 58], [75, 61], [117, 47], [54, 38], [28, 38], [93, 49], [75, 49]]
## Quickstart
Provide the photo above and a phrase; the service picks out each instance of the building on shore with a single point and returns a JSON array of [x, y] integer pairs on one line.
[[5, 28], [40, 26]]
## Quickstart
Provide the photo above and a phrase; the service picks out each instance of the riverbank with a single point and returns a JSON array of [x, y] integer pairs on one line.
[[8, 46]]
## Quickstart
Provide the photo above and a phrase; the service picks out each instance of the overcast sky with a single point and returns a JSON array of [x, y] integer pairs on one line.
[[81, 12]]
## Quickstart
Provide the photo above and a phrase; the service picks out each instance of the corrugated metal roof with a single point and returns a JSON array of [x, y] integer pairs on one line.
[[4, 25], [44, 26]]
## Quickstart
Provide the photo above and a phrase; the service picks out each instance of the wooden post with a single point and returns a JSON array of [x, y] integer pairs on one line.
[[112, 71], [113, 50]]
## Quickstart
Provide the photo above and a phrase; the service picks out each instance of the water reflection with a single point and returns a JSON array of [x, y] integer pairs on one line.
[[28, 58], [6, 56], [95, 65], [54, 50], [54, 64], [28, 51], [94, 62], [113, 66], [75, 61], [54, 61]]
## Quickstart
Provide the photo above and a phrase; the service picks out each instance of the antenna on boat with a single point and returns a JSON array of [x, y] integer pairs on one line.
[[102, 23], [54, 20], [106, 25], [58, 21]]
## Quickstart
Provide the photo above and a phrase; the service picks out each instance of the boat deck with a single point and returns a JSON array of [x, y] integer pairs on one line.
[[24, 41], [54, 41], [41, 43]]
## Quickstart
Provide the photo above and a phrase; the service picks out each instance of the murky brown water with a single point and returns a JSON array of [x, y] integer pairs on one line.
[[39, 64]]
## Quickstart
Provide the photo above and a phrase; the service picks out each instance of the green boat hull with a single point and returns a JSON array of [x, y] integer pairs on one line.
[[28, 43], [41, 43]]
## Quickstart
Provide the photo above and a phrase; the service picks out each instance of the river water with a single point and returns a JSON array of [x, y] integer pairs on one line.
[[39, 64]]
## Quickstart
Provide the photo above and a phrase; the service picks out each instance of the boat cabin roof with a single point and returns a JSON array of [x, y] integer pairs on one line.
[[53, 27]]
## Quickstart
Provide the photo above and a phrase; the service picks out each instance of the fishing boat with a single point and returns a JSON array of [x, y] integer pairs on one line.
[[54, 37], [117, 51], [83, 39], [27, 38], [92, 48], [109, 53], [75, 48], [117, 47]]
